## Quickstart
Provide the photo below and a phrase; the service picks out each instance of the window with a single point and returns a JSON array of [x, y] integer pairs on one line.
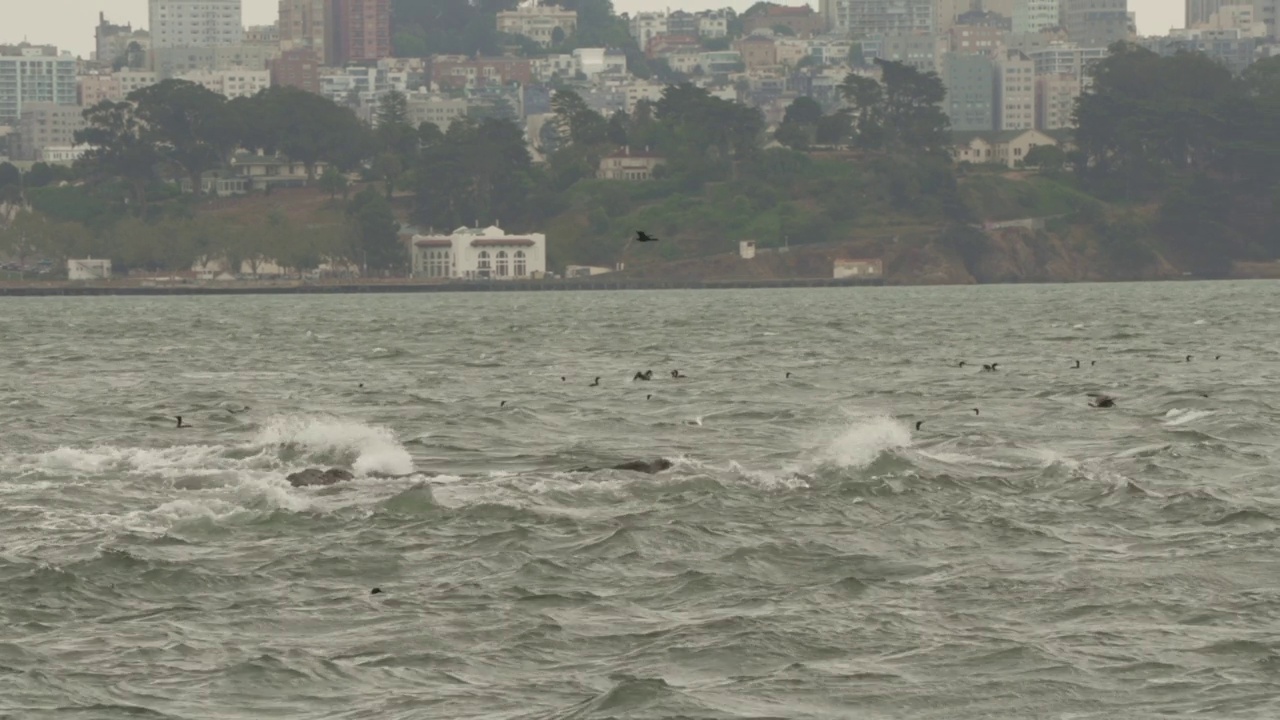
[[482, 263], [521, 266], [502, 263]]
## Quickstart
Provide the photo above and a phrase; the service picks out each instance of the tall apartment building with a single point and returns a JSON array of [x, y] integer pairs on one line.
[[1198, 11], [195, 23], [46, 124], [1097, 22], [1056, 101], [30, 74], [296, 68], [1268, 11], [1015, 92], [362, 30], [869, 17], [307, 24], [1033, 16], [970, 81], [1067, 59]]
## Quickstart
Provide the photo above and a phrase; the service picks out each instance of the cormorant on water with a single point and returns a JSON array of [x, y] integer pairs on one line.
[[918, 424], [788, 376], [676, 374], [376, 591], [1077, 367], [646, 375], [962, 364], [1217, 357], [1102, 401], [180, 424], [503, 404], [595, 384], [562, 378], [1092, 363], [990, 368], [976, 411], [1188, 358], [641, 236], [648, 397]]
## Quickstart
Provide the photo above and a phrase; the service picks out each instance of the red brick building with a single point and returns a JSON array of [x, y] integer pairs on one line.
[[298, 68], [362, 30]]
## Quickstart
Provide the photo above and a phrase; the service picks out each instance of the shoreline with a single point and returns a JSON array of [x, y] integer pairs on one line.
[[83, 289]]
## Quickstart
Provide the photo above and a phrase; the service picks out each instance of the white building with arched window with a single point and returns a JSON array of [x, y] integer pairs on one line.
[[480, 254]]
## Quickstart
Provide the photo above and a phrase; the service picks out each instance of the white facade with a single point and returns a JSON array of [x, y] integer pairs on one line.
[[480, 254], [538, 22], [596, 61], [714, 24], [845, 269], [35, 74], [195, 23], [641, 90], [1033, 16], [645, 25], [89, 269], [868, 17], [231, 83], [1066, 59], [435, 109], [1015, 92]]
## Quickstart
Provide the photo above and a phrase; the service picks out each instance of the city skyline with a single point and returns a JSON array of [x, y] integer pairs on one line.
[[69, 24]]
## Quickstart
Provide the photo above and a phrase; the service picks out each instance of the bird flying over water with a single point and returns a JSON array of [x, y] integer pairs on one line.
[[642, 236], [646, 375]]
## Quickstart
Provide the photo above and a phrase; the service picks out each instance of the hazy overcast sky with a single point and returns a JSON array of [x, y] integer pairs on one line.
[[69, 23]]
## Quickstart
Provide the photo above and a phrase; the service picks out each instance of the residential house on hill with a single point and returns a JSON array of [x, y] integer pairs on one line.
[[1007, 148], [628, 165], [802, 20]]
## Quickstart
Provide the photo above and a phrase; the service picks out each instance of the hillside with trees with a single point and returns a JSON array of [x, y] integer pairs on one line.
[[1174, 167]]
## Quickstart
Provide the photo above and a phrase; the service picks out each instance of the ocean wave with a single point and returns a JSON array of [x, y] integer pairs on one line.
[[364, 447], [863, 441]]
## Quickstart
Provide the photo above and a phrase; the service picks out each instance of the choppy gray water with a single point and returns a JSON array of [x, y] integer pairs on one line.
[[810, 555]]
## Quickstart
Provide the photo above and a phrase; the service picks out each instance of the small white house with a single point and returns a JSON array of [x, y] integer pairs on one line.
[[845, 269], [89, 269], [480, 254], [574, 271], [747, 249]]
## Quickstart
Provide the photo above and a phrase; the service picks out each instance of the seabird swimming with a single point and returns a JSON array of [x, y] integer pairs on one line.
[[184, 427], [376, 591], [562, 378], [918, 424], [1101, 400], [503, 404], [595, 384], [1188, 358], [648, 397], [976, 411], [641, 236], [788, 376], [990, 368], [676, 374], [962, 364], [1077, 367], [646, 375]]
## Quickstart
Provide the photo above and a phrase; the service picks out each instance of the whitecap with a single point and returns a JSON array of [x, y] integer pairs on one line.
[[863, 441], [1182, 416], [375, 448]]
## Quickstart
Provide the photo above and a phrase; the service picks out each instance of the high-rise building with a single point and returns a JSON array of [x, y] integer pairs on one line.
[[970, 81], [884, 17], [1033, 16], [362, 30], [297, 68], [1199, 11], [30, 74], [308, 24], [1015, 92], [1097, 22], [1056, 101], [46, 124], [1268, 12], [195, 23]]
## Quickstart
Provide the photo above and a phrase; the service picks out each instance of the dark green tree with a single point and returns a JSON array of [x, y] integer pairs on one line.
[[377, 232], [188, 125], [119, 148]]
